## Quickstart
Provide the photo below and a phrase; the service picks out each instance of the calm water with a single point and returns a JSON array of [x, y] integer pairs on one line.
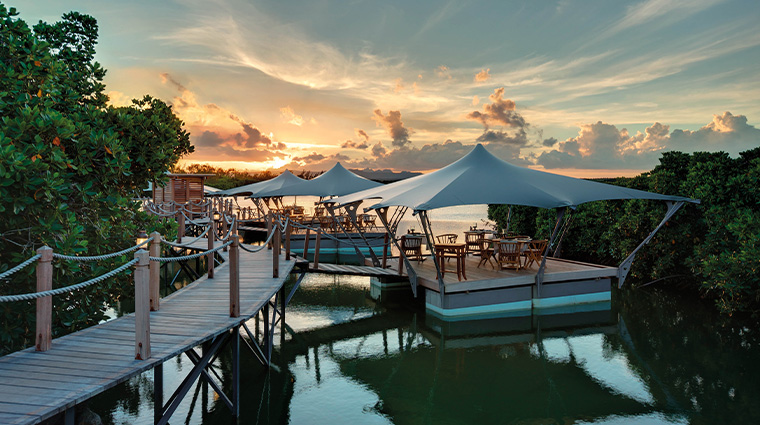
[[355, 355]]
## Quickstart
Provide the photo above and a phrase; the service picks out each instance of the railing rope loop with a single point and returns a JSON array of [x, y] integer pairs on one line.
[[65, 289], [7, 273], [99, 257]]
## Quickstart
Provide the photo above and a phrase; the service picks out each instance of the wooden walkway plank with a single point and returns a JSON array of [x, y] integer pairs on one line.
[[36, 385]]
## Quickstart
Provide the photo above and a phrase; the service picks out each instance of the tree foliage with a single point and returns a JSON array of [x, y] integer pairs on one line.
[[70, 167], [713, 247]]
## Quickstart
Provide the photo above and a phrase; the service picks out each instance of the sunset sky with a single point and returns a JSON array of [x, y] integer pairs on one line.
[[579, 87]]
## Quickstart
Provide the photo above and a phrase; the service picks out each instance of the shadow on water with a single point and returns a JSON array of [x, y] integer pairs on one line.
[[352, 353]]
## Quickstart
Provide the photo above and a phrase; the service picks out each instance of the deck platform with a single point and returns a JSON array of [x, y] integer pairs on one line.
[[487, 290], [36, 385]]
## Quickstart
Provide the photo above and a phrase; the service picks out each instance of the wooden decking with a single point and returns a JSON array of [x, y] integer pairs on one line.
[[486, 277], [37, 385]]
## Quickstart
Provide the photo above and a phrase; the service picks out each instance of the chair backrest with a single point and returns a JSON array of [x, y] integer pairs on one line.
[[472, 237], [411, 242], [325, 221], [538, 245], [508, 247], [447, 238]]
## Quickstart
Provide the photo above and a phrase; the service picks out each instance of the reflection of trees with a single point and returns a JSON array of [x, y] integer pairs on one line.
[[706, 361]]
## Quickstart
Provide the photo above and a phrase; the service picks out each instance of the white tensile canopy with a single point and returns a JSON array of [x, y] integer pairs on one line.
[[286, 181], [481, 178], [338, 181], [335, 182]]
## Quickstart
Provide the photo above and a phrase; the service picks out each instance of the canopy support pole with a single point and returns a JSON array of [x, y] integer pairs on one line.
[[425, 221], [509, 218], [351, 210], [330, 207], [540, 274], [625, 266], [382, 212], [260, 205]]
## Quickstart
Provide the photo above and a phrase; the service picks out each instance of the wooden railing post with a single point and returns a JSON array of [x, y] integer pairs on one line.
[[224, 228], [236, 223], [180, 227], [306, 244], [269, 219], [288, 229], [44, 304], [276, 251], [235, 276], [155, 271], [385, 251], [211, 235], [316, 249], [142, 306]]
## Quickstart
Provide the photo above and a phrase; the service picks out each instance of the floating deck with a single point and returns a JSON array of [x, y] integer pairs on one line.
[[487, 290], [37, 385]]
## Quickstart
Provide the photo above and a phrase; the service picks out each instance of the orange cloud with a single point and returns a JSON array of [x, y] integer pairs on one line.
[[483, 75]]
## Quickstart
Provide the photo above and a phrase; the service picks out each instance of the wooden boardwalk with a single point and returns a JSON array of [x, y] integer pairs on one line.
[[35, 385]]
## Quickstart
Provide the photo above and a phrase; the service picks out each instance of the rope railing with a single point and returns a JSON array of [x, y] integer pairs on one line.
[[259, 248], [190, 220], [99, 257], [230, 230], [183, 244], [65, 289], [189, 257], [10, 272]]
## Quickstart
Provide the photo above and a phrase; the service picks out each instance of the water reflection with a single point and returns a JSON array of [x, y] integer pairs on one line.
[[353, 354]]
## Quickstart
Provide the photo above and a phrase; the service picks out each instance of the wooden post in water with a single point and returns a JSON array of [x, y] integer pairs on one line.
[[276, 252], [306, 244], [142, 306], [180, 227], [235, 276], [211, 235], [44, 304], [155, 271], [316, 250], [385, 251]]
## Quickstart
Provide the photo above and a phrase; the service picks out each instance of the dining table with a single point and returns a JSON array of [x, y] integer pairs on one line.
[[458, 251]]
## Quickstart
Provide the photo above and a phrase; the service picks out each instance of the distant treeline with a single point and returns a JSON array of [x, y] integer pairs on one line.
[[713, 247], [230, 177]]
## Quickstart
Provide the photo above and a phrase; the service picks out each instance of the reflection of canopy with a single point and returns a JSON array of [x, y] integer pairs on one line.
[[481, 178], [335, 182], [284, 182]]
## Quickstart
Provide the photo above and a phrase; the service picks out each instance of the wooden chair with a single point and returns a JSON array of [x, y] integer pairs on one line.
[[446, 238], [509, 253], [326, 223], [369, 221], [486, 252], [535, 251], [412, 246], [472, 239]]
